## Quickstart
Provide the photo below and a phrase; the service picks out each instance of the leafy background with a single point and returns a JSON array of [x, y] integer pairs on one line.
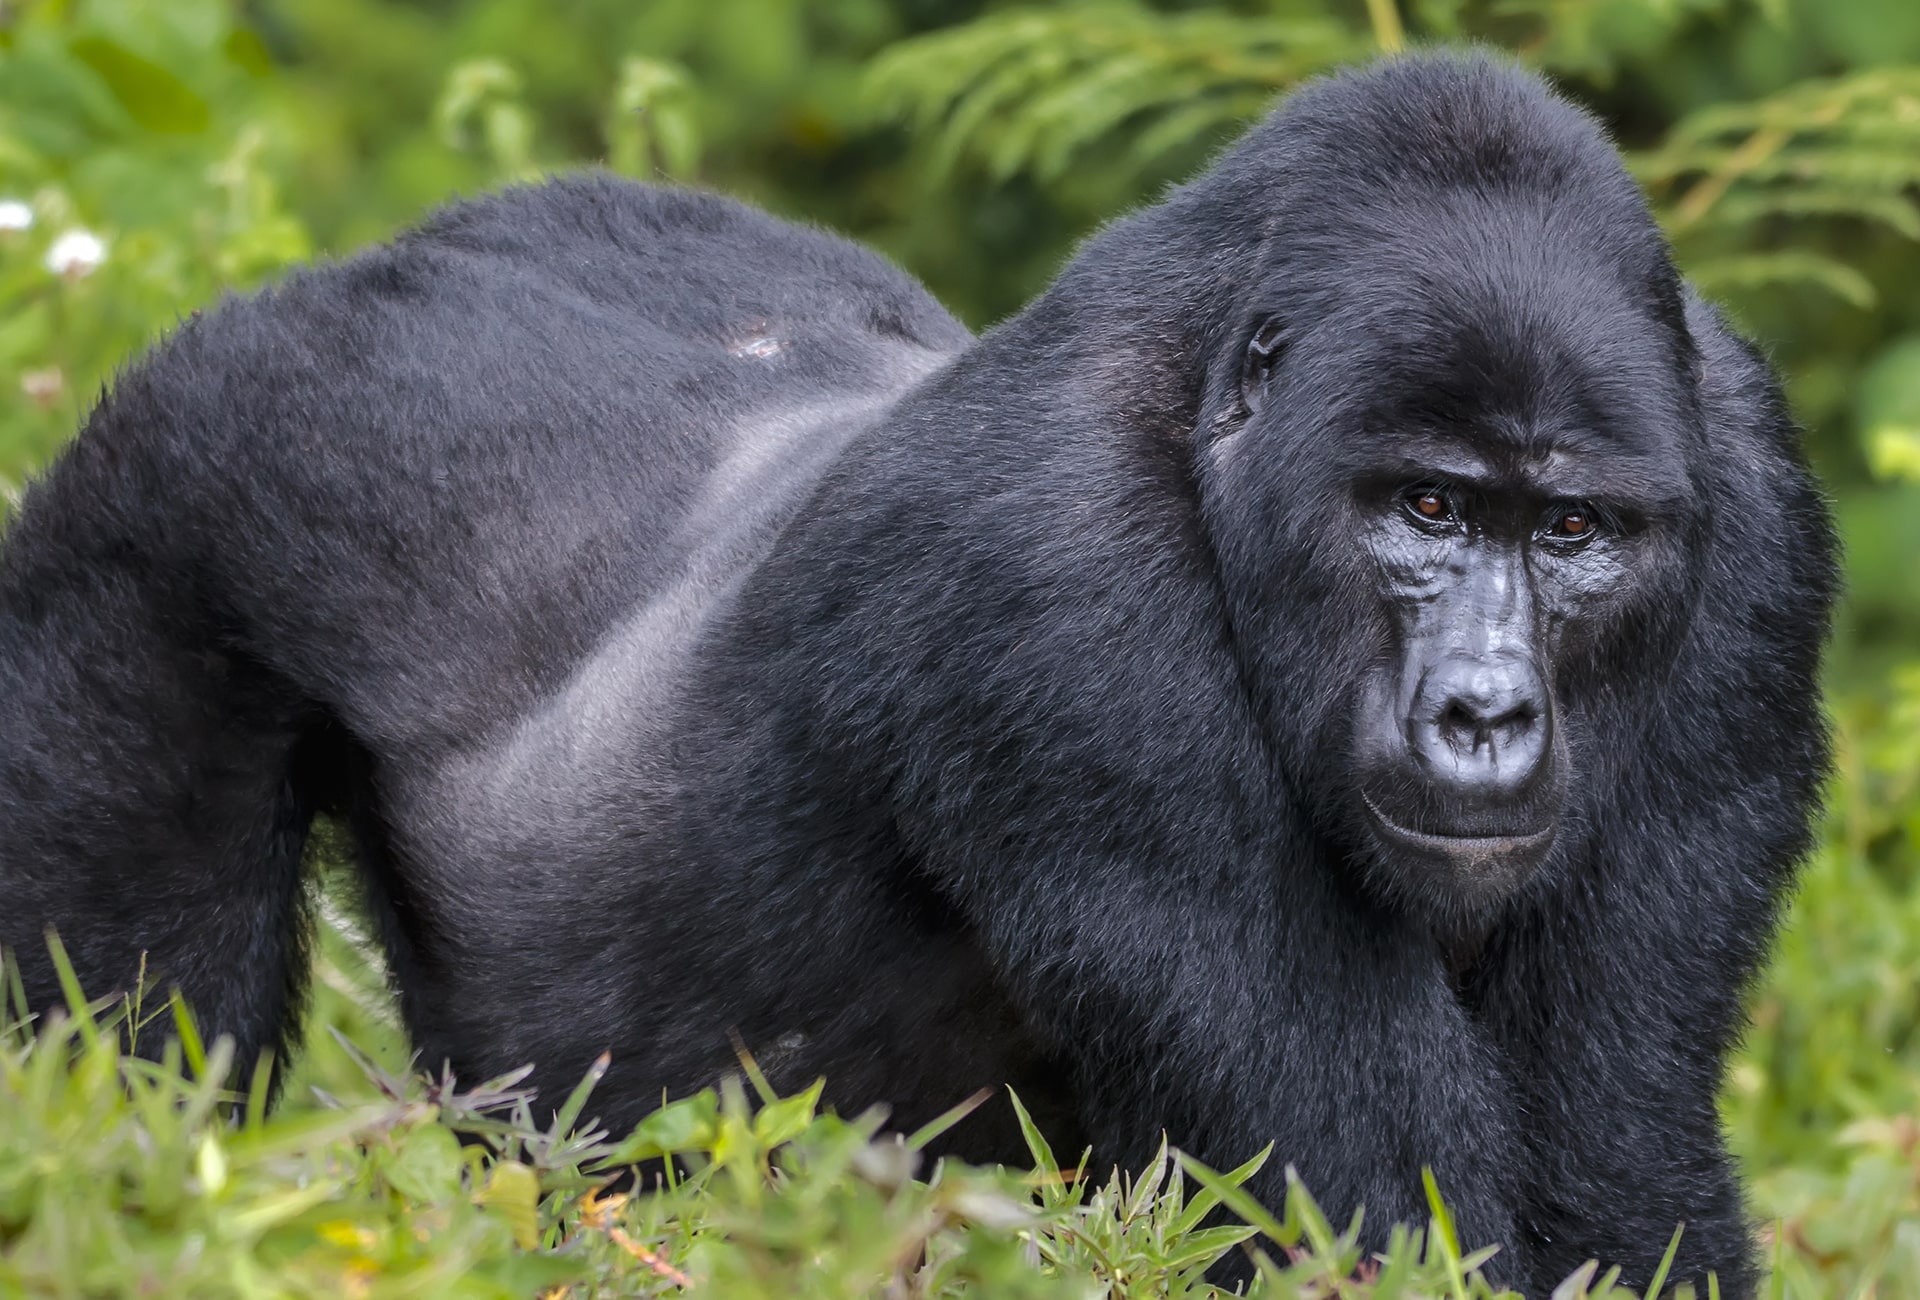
[[204, 145]]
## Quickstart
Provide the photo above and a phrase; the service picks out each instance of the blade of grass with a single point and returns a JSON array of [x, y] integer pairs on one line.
[[1237, 1199], [569, 1112], [77, 1009], [1666, 1263], [1037, 1145], [933, 1128], [1445, 1235]]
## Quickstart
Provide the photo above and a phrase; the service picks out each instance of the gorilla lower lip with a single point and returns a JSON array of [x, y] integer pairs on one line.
[[1460, 846]]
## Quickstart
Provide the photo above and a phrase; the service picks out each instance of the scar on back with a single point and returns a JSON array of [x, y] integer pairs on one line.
[[756, 343]]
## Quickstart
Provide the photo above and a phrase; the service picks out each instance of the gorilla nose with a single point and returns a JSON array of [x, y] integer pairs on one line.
[[1482, 729]]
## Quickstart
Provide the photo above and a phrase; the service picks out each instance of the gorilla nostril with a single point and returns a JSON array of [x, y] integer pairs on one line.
[[1459, 725], [1512, 724], [1468, 728]]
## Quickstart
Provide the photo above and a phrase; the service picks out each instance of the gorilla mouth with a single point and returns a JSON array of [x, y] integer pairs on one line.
[[1477, 846]]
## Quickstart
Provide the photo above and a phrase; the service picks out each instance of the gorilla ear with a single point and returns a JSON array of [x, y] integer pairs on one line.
[[1263, 355]]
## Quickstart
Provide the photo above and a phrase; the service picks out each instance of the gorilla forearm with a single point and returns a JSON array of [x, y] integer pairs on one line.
[[1617, 1077], [1395, 1078]]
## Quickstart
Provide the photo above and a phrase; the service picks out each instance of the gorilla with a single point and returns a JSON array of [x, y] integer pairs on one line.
[[1337, 670]]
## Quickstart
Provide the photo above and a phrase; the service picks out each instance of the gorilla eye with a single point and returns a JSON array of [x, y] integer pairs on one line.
[[1572, 524], [1429, 505], [1263, 354]]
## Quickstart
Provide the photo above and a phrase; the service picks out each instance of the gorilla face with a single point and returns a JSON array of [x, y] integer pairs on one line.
[[1484, 570], [1476, 468]]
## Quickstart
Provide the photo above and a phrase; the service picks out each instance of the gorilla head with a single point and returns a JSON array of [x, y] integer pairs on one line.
[[1466, 400]]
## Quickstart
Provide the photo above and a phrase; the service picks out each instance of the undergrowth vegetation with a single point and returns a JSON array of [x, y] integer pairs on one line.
[[124, 1176]]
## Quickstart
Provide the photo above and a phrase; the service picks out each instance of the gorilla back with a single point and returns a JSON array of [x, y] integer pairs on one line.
[[1337, 670]]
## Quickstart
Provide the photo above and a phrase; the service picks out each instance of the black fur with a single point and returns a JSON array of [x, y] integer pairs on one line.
[[700, 631]]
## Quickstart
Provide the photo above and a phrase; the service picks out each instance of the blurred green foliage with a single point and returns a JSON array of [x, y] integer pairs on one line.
[[156, 153]]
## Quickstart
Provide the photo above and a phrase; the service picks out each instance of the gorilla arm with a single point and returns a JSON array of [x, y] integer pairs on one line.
[[1620, 992]]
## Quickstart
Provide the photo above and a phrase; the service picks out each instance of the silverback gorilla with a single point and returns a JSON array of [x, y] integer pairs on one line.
[[1337, 670]]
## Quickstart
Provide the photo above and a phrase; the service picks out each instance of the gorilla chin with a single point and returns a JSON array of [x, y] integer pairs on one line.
[[1456, 830], [1469, 873]]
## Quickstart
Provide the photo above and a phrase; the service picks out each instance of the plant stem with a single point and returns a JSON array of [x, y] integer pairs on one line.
[[1387, 31]]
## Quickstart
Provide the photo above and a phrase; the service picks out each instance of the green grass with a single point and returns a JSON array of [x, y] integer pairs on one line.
[[121, 1176]]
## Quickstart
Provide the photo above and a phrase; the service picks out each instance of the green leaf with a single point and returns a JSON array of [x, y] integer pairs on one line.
[[278, 1207], [1666, 1263], [189, 1034], [1723, 275], [513, 1193], [786, 1119], [933, 1128], [569, 1112], [1204, 1200], [245, 49], [1893, 452], [156, 99], [652, 125], [1037, 1145], [427, 1166], [688, 1125], [210, 1165], [79, 1012], [1203, 1246], [1238, 1200], [1445, 1236]]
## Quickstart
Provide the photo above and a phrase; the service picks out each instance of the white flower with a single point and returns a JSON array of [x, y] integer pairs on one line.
[[76, 253], [15, 215], [43, 387]]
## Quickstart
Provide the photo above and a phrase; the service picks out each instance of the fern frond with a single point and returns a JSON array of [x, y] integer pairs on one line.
[[1846, 146], [1896, 212], [1030, 91], [1727, 276]]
